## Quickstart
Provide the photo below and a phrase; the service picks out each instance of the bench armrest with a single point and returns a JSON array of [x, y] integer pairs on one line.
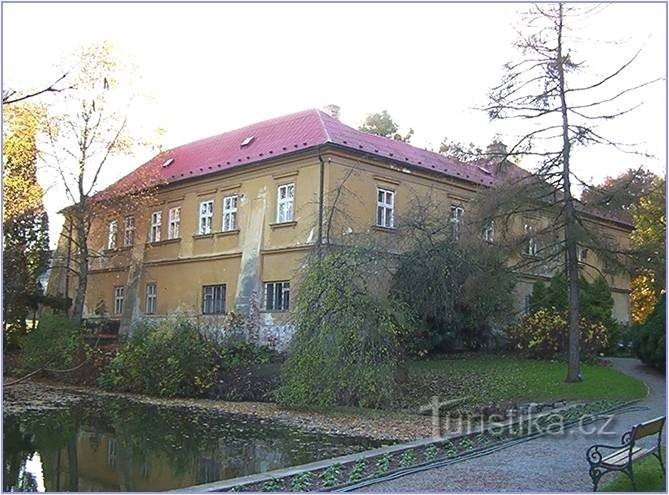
[[594, 456]]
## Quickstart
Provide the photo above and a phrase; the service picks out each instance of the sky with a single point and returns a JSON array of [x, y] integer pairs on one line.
[[208, 68]]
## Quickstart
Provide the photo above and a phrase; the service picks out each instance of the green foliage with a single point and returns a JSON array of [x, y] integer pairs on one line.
[[56, 343], [459, 293], [244, 354], [357, 471], [301, 482], [382, 124], [383, 464], [408, 458], [596, 303], [650, 337], [330, 476], [273, 485], [167, 358], [431, 453], [345, 349], [545, 335]]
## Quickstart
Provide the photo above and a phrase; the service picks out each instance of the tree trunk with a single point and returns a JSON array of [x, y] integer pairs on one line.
[[573, 371], [82, 269]]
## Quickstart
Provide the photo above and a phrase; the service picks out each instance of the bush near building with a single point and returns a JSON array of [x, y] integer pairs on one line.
[[345, 350], [650, 337]]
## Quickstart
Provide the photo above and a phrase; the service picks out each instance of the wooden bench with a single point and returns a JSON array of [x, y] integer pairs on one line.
[[620, 457]]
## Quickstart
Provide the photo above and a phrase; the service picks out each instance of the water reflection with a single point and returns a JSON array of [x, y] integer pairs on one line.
[[114, 444]]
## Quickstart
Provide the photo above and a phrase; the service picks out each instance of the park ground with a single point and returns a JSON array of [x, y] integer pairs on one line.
[[550, 464]]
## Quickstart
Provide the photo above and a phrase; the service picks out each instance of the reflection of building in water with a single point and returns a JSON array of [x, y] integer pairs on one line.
[[99, 462]]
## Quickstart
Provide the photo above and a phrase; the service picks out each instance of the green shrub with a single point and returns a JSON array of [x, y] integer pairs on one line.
[[56, 343], [345, 350], [649, 338], [167, 358], [244, 353], [544, 335]]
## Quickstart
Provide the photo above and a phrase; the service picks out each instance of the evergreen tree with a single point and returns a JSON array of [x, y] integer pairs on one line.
[[26, 229]]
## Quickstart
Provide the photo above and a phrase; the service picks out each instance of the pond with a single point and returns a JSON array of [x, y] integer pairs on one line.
[[108, 444]]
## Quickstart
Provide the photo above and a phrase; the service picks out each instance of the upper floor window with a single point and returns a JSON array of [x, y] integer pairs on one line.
[[229, 213], [385, 208], [113, 234], [489, 231], [456, 220], [118, 300], [531, 245], [206, 216], [129, 231], [284, 209], [174, 226], [277, 296], [156, 222], [151, 296], [213, 299]]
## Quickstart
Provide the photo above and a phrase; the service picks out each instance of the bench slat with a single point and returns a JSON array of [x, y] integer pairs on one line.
[[648, 428], [620, 457]]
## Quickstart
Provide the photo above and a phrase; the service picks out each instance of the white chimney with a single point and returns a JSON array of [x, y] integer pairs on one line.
[[332, 110]]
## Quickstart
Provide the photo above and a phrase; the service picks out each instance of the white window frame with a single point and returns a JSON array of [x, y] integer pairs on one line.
[[129, 231], [457, 212], [112, 236], [206, 217], [489, 231], [174, 223], [385, 208], [285, 205], [531, 246], [210, 304], [156, 224], [230, 213], [151, 298], [119, 297], [280, 297], [582, 254]]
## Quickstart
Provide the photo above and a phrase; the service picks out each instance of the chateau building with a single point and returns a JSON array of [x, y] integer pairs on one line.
[[231, 217]]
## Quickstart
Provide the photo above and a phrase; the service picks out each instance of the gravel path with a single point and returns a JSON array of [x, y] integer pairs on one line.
[[546, 464]]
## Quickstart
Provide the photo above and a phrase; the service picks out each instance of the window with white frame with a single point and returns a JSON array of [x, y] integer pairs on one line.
[[174, 225], [129, 231], [385, 208], [489, 231], [113, 234], [284, 205], [527, 306], [213, 299], [118, 300], [206, 217], [277, 296], [151, 299], [531, 246], [229, 213], [457, 212], [156, 223]]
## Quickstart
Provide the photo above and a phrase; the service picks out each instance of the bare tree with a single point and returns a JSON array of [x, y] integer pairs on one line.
[[84, 131], [543, 91], [13, 96]]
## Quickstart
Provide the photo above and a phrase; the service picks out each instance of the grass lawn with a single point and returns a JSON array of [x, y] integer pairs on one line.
[[486, 379], [648, 476]]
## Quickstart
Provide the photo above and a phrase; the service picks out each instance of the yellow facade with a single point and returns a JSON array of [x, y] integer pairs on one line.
[[260, 249]]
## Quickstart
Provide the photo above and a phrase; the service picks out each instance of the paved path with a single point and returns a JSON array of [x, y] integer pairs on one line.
[[546, 464]]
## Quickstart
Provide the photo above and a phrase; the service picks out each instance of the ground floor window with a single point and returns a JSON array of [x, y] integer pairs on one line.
[[213, 299], [277, 296], [151, 297], [118, 300]]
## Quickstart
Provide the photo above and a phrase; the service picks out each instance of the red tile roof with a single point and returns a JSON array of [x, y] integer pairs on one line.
[[285, 135]]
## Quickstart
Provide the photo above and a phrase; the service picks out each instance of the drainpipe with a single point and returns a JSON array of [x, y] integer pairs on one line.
[[320, 202]]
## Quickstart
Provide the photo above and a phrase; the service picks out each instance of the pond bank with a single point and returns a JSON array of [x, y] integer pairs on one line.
[[380, 425]]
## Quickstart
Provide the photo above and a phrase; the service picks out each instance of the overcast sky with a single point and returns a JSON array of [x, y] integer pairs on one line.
[[214, 67]]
